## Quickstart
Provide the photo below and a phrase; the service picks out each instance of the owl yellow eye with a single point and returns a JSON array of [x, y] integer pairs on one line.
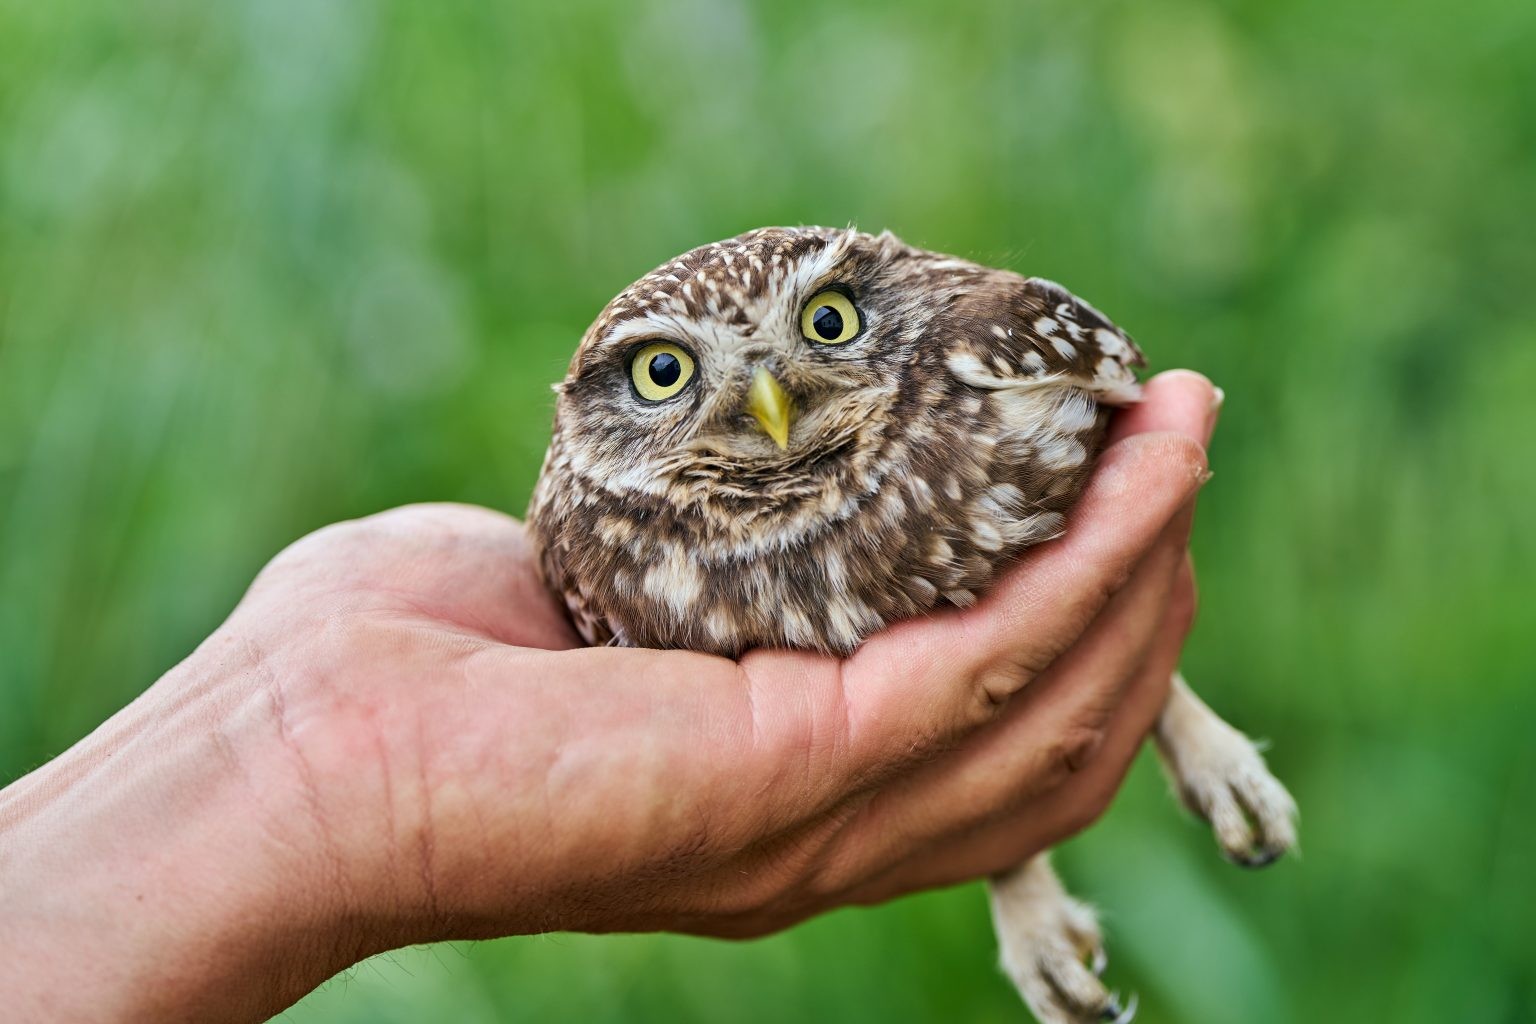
[[660, 370], [829, 319]]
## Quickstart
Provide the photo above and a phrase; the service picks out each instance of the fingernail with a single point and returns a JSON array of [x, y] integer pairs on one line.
[[1218, 396]]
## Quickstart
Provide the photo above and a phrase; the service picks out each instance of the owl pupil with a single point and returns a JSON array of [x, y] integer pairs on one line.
[[828, 323], [665, 369]]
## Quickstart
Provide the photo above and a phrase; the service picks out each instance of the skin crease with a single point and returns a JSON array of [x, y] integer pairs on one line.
[[395, 739]]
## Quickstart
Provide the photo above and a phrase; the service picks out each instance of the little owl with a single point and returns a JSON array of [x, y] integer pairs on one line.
[[797, 436]]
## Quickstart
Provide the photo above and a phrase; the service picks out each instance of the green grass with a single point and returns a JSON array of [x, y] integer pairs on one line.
[[268, 264]]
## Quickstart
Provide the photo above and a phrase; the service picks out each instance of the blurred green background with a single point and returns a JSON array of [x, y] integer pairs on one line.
[[272, 263]]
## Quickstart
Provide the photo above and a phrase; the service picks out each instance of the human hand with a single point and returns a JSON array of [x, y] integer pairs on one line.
[[396, 738]]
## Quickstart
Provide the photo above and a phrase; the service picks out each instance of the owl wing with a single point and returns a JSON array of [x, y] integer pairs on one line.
[[1041, 332]]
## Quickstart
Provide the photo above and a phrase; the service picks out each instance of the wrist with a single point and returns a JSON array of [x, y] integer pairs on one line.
[[143, 873]]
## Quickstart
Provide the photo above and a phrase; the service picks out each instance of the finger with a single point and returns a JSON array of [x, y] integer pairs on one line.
[[1042, 823], [1178, 400], [1083, 798], [1047, 734], [941, 676]]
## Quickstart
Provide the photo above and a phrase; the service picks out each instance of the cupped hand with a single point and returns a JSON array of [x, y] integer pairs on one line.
[[396, 737]]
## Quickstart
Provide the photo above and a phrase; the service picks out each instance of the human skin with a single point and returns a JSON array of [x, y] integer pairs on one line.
[[396, 738]]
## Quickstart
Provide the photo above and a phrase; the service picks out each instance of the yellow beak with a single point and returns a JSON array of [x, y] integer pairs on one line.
[[770, 406]]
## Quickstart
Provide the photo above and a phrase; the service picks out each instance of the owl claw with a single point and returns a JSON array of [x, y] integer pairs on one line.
[[1114, 1014], [1249, 810], [1220, 775], [1052, 949], [1258, 856]]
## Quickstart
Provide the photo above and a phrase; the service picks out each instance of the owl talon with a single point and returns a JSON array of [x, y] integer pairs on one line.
[[1052, 949], [1221, 777], [1115, 1015], [1249, 810], [1256, 856]]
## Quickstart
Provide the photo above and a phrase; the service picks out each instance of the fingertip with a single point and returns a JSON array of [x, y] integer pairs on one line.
[[1178, 400], [1155, 461], [1182, 378]]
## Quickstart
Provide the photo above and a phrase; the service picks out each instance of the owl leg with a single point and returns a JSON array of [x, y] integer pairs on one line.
[[1052, 948], [1220, 775]]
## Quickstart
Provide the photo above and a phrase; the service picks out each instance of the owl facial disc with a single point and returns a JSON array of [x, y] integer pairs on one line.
[[770, 406]]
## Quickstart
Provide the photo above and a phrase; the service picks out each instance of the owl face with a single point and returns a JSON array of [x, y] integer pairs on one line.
[[753, 377]]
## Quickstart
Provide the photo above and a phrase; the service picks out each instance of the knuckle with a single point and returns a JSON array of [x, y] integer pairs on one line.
[[1000, 679], [829, 864], [318, 543], [1066, 755], [995, 685], [442, 514], [412, 512], [829, 879], [765, 899]]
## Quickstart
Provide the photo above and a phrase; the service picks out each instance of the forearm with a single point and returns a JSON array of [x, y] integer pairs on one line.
[[140, 877]]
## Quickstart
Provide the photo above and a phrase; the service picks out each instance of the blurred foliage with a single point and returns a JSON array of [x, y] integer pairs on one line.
[[265, 264]]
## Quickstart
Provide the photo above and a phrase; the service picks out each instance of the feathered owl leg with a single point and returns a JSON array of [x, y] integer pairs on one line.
[[1051, 945], [1220, 775], [1052, 948]]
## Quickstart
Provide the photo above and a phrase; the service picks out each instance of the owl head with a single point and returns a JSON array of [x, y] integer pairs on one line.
[[757, 378]]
